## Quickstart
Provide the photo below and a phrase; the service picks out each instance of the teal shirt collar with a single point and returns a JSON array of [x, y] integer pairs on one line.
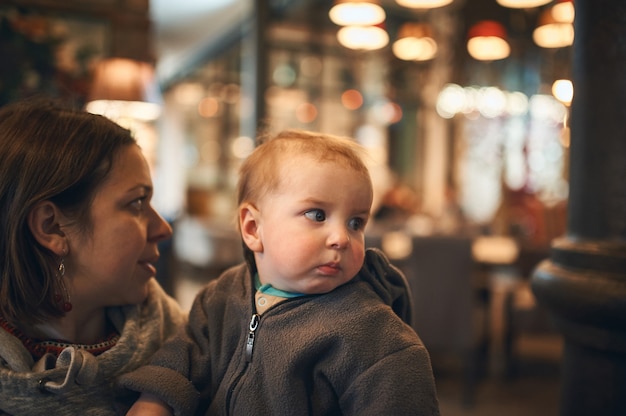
[[270, 290]]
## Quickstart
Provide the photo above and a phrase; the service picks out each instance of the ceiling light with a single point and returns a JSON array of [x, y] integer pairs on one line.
[[415, 43], [423, 4], [487, 41], [124, 88], [345, 13], [563, 90], [555, 28], [522, 4], [366, 38]]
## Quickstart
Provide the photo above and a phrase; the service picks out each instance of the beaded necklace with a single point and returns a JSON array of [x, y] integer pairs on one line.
[[39, 348]]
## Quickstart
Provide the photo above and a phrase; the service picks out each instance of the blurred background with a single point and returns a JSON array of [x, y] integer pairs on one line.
[[463, 106]]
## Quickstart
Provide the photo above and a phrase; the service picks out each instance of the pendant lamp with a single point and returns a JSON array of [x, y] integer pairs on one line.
[[359, 12], [124, 88], [364, 38], [522, 4], [563, 90], [555, 28], [415, 43], [423, 4], [487, 41]]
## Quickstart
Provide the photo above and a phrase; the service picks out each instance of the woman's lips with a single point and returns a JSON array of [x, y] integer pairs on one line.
[[149, 267]]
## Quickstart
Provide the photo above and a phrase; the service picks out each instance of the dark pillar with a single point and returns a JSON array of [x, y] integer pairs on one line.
[[584, 281], [254, 69]]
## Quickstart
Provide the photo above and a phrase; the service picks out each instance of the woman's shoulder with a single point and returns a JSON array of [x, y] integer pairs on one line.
[[234, 280], [164, 304]]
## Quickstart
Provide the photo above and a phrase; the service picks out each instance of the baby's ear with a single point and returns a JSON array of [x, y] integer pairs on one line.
[[249, 226], [44, 221]]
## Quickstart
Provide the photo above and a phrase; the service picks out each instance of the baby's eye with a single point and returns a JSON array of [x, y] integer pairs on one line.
[[315, 215], [356, 223]]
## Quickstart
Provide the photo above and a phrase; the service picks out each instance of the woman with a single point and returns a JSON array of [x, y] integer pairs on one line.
[[79, 304]]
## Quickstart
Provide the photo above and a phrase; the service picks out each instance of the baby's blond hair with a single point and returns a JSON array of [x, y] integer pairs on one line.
[[260, 172]]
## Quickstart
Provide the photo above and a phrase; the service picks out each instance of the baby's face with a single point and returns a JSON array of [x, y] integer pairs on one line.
[[312, 226]]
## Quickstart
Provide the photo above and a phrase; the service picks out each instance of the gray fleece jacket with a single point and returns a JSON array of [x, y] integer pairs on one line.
[[77, 383], [342, 353]]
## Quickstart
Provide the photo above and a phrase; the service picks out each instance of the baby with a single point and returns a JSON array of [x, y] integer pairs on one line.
[[312, 323]]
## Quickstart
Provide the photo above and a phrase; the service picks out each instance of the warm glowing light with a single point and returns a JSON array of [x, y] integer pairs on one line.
[[306, 113], [554, 35], [396, 112], [415, 43], [397, 244], [365, 38], [242, 146], [489, 102], [423, 4], [564, 11], [352, 99], [563, 90], [495, 249], [488, 48], [522, 4], [415, 49], [124, 88], [188, 94], [487, 41], [517, 103], [546, 107], [450, 100], [555, 28], [208, 107], [356, 13], [119, 109]]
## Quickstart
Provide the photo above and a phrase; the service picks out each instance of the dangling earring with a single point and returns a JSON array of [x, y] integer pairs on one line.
[[63, 299]]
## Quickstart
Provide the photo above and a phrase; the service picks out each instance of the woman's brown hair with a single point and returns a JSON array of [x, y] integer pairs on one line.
[[47, 152]]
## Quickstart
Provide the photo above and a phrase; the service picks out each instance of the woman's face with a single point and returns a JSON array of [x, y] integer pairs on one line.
[[112, 263]]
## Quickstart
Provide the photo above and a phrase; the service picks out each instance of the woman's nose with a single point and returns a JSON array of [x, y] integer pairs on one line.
[[159, 228]]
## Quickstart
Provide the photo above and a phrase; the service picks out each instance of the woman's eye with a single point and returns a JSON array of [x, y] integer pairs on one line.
[[356, 223], [138, 203], [315, 215]]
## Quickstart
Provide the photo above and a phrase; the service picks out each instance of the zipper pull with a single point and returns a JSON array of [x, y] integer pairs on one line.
[[254, 323]]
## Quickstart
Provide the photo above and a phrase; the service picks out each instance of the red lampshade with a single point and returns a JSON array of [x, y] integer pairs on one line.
[[487, 41], [487, 28]]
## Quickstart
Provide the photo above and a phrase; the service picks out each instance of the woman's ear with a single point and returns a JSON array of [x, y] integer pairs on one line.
[[44, 221], [249, 226]]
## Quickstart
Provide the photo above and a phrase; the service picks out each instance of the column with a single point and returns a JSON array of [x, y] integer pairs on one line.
[[584, 282]]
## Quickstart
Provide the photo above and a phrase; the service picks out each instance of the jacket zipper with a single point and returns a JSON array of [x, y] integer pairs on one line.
[[252, 327], [254, 324]]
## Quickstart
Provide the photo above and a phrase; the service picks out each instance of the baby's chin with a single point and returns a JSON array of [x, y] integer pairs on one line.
[[320, 287]]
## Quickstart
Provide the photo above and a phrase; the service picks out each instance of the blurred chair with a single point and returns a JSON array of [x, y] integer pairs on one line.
[[450, 309], [530, 335]]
